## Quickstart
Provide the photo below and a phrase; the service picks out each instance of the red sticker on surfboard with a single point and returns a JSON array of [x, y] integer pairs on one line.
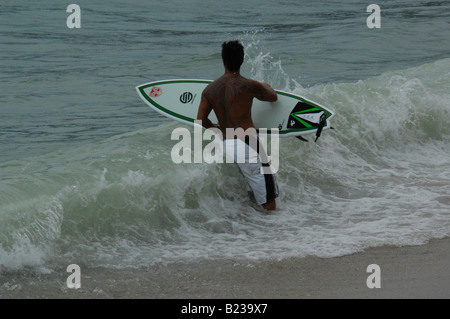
[[155, 92]]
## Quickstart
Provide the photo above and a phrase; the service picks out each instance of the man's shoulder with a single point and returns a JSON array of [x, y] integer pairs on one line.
[[209, 88], [235, 83], [215, 82], [214, 85]]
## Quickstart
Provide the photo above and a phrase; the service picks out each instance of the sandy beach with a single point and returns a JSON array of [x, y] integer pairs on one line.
[[405, 272]]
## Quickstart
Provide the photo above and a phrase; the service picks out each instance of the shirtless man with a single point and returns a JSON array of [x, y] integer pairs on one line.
[[231, 97]]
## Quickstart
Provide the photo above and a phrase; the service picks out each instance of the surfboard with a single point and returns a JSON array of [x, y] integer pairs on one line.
[[291, 114]]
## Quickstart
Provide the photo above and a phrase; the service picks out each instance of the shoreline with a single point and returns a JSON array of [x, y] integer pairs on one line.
[[418, 272]]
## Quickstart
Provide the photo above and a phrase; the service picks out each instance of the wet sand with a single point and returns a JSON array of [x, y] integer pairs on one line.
[[405, 272]]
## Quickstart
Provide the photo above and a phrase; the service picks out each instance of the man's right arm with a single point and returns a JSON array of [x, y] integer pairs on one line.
[[203, 111]]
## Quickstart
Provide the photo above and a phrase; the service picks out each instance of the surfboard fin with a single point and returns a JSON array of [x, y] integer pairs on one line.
[[301, 138], [323, 121]]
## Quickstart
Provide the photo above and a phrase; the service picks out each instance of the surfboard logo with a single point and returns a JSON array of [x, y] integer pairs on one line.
[[305, 116], [186, 97], [311, 117], [155, 92]]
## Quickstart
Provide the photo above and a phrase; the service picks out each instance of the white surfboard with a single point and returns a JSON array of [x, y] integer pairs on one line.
[[291, 114]]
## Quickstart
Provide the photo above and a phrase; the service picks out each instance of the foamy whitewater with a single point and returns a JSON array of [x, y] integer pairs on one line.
[[85, 165]]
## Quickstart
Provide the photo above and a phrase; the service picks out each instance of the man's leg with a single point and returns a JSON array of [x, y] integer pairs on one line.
[[272, 205]]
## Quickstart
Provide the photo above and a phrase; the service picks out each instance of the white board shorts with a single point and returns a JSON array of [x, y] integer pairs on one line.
[[254, 166]]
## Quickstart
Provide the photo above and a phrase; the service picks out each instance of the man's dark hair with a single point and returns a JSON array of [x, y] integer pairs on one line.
[[232, 55]]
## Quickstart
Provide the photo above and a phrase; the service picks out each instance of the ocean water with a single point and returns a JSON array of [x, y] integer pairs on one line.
[[86, 175]]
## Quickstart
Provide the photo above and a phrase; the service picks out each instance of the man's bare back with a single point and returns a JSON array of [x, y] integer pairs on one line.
[[231, 97]]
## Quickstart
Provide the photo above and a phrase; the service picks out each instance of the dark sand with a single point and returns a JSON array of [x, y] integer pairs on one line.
[[406, 272]]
